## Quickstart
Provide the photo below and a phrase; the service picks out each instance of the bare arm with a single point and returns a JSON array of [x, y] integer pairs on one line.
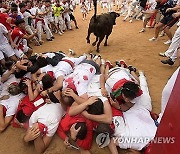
[[76, 109], [103, 118]]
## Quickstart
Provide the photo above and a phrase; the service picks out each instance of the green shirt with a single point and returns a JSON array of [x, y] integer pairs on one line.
[[58, 11]]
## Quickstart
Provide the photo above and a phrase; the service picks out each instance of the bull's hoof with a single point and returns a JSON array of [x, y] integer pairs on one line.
[[94, 44], [105, 44]]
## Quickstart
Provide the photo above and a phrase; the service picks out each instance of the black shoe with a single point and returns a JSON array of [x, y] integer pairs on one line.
[[168, 61], [49, 39], [131, 68], [77, 27], [52, 37], [118, 64]]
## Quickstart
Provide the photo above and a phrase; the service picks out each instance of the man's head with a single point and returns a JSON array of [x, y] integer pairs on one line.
[[47, 81], [20, 23], [22, 7], [78, 130], [97, 108], [67, 100], [14, 11], [130, 91], [47, 3], [14, 89]]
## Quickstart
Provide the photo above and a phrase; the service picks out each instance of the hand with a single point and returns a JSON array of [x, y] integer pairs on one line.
[[36, 31], [69, 92], [66, 141], [176, 15], [114, 103], [13, 69], [39, 87], [27, 82], [169, 9], [4, 97], [14, 45], [24, 61], [74, 131], [104, 92], [32, 133], [43, 93], [92, 100]]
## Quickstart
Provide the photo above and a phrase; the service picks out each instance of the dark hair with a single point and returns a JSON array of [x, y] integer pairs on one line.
[[104, 128], [13, 9], [68, 100], [47, 81], [21, 5], [130, 90], [23, 87], [19, 21], [9, 64], [41, 61], [21, 117], [47, 1], [97, 108], [13, 5], [82, 132]]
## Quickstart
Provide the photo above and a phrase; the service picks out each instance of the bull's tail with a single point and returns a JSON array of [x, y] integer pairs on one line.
[[95, 9]]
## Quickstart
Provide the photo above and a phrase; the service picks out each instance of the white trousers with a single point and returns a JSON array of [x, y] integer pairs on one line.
[[40, 25], [67, 17], [172, 50]]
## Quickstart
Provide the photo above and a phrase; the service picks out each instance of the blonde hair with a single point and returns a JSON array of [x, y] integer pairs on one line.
[[14, 89]]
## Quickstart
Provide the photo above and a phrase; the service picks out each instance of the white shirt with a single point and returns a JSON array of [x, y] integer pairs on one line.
[[49, 115], [137, 122], [26, 17], [3, 30], [11, 104], [94, 88], [44, 9]]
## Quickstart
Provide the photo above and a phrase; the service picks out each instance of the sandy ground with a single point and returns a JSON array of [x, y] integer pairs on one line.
[[124, 43]]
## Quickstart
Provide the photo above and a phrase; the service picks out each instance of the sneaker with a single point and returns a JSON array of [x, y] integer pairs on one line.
[[168, 61], [92, 55], [168, 42], [77, 27], [142, 30], [162, 54], [130, 21], [49, 39], [71, 52], [148, 26], [52, 37], [121, 62], [109, 64], [153, 39], [162, 34], [60, 33]]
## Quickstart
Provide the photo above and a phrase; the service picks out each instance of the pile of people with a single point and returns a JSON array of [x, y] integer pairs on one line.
[[75, 97]]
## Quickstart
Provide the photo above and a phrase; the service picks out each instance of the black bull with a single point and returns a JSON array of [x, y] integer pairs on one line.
[[101, 26]]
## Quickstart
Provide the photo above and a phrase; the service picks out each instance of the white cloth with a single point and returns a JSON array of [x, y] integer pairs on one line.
[[120, 74], [47, 68], [3, 39], [49, 115], [94, 88], [167, 92], [136, 123], [172, 50], [11, 104], [81, 77]]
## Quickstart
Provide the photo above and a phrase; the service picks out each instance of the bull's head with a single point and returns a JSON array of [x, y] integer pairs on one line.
[[114, 16]]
